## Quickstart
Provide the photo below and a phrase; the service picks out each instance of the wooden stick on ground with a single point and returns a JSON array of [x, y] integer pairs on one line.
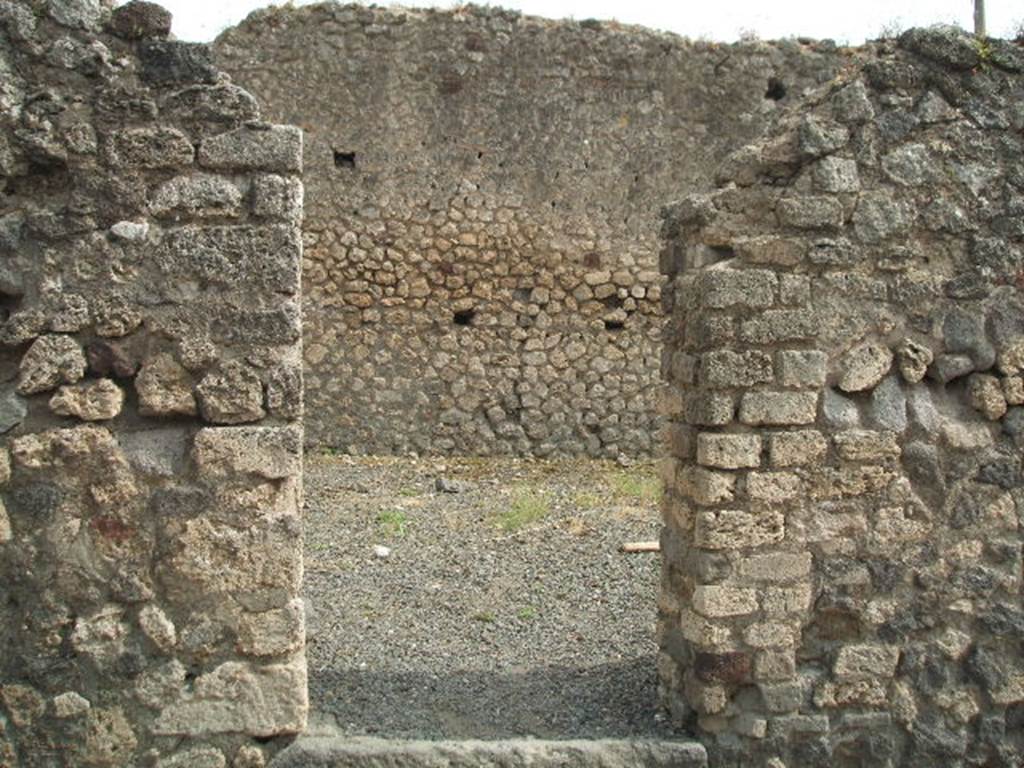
[[641, 546]]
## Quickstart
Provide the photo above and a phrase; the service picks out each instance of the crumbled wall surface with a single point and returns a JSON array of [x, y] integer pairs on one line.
[[842, 581], [481, 234], [150, 392]]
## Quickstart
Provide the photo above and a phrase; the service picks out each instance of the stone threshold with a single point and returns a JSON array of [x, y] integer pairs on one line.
[[342, 752]]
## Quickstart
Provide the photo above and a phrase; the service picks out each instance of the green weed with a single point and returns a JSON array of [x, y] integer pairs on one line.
[[636, 485], [528, 506], [393, 523]]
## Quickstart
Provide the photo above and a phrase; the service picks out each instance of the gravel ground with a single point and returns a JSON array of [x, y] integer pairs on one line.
[[503, 610]]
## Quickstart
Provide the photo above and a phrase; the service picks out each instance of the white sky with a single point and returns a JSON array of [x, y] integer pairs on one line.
[[845, 21]]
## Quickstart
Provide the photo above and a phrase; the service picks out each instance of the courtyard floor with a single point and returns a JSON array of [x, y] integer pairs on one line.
[[503, 609]]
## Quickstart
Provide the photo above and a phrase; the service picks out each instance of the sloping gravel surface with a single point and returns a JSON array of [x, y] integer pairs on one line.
[[503, 610]]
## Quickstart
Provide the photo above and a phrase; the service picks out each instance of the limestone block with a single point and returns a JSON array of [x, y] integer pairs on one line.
[[946, 368], [70, 704], [249, 756], [1011, 358], [773, 487], [159, 452], [12, 410], [789, 449], [707, 487], [985, 395], [114, 316], [866, 662], [231, 395], [198, 195], [130, 231], [779, 602], [252, 258], [109, 738], [255, 146], [270, 452], [708, 409], [812, 212], [273, 633], [77, 14], [836, 174], [867, 445], [817, 137], [778, 408], [922, 410], [864, 366], [726, 369], [279, 197], [1013, 390], [913, 360], [171, 62], [284, 392], [165, 388], [160, 684], [158, 628], [797, 368], [782, 697], [966, 436], [794, 289], [715, 601], [93, 401], [964, 332], [777, 566], [769, 634], [139, 19], [774, 665], [889, 405], [70, 315], [880, 216], [702, 632], [5, 466], [728, 451], [150, 148], [909, 165], [723, 288], [850, 480], [708, 699], [774, 326], [728, 667], [737, 529], [50, 361], [241, 698], [769, 250], [101, 635], [260, 567], [22, 327]]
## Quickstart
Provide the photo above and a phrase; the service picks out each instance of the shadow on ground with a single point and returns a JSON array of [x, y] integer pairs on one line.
[[607, 701]]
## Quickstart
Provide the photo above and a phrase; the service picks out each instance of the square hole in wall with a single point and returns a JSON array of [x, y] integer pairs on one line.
[[344, 159]]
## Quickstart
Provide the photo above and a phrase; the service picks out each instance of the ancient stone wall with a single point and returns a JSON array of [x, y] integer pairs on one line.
[[842, 581], [150, 396], [481, 235]]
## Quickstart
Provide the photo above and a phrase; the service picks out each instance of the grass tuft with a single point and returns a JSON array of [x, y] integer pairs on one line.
[[528, 506], [636, 485], [393, 523]]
